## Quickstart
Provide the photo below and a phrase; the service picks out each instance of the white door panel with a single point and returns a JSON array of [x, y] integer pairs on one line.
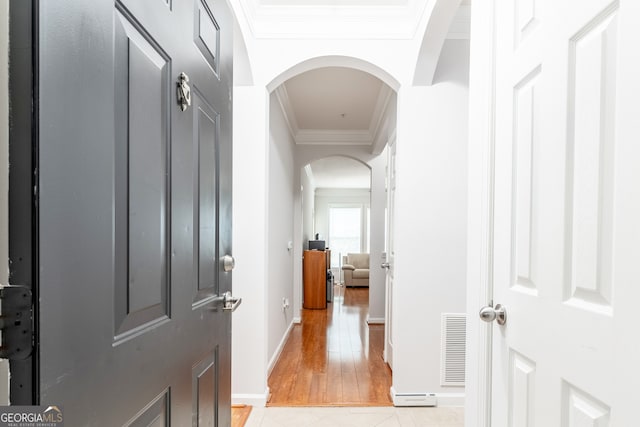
[[556, 200]]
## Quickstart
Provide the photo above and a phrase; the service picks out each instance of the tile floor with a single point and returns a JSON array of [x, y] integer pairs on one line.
[[355, 417]]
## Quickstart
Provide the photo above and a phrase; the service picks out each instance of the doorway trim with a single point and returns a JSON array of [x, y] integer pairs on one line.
[[23, 179], [480, 211]]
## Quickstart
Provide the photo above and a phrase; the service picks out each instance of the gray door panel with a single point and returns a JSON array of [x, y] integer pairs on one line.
[[135, 211]]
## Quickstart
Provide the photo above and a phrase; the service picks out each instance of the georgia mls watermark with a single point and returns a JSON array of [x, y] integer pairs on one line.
[[31, 416]]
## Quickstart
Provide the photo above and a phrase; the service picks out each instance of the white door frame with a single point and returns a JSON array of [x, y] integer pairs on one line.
[[389, 256], [4, 176], [480, 213]]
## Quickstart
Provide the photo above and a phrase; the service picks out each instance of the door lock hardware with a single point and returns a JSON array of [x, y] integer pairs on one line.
[[228, 263], [16, 322], [184, 92], [497, 313], [229, 303]]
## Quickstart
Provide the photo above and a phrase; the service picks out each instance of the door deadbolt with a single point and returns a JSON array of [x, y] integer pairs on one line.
[[228, 263]]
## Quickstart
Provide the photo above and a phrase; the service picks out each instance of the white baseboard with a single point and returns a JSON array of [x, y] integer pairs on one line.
[[427, 399], [276, 354], [375, 320], [257, 400], [297, 320]]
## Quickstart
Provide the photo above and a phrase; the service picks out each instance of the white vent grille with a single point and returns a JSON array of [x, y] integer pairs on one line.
[[453, 347]]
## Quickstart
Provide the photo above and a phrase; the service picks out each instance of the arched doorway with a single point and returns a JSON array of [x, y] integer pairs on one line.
[[337, 116]]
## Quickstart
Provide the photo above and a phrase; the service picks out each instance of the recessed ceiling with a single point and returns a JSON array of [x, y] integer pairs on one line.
[[340, 172], [334, 105], [333, 98]]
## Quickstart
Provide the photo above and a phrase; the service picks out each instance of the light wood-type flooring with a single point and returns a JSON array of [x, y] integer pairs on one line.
[[239, 415], [333, 358]]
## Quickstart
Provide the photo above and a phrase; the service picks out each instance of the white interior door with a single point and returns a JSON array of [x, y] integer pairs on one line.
[[566, 152], [390, 254]]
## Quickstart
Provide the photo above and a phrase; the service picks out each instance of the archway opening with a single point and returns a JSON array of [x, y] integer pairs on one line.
[[333, 123]]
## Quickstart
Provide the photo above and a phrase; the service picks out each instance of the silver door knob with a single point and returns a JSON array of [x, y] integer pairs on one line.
[[385, 265], [497, 313], [228, 263]]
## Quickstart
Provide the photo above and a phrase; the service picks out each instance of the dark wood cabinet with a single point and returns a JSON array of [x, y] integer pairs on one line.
[[315, 279]]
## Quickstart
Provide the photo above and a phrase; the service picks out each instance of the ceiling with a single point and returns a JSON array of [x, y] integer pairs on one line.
[[334, 2], [334, 105], [341, 2], [337, 105], [333, 98], [348, 19], [340, 172], [359, 19], [343, 106]]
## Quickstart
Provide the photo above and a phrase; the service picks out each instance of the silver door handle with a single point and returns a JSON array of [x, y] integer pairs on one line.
[[228, 263], [229, 303], [489, 314], [385, 265]]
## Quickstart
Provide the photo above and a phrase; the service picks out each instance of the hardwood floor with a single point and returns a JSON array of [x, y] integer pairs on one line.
[[333, 358], [240, 415]]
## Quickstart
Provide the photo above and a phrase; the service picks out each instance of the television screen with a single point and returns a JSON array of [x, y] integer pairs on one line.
[[316, 245]]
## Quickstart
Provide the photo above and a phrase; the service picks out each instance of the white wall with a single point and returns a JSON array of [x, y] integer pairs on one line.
[[303, 214], [431, 136], [268, 59], [250, 195], [430, 221], [280, 229], [308, 189], [4, 175], [377, 276]]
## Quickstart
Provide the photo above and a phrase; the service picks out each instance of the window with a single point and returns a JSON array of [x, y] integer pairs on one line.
[[345, 226], [367, 225]]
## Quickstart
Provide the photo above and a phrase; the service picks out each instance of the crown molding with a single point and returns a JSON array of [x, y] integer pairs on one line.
[[287, 109], [332, 191], [318, 136], [333, 137], [379, 111]]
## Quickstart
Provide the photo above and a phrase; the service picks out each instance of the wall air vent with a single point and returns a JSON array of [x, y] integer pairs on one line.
[[453, 349]]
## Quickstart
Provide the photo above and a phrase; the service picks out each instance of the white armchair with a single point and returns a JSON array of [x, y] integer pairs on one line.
[[355, 269]]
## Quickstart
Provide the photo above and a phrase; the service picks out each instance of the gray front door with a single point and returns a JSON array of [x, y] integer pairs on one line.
[[134, 204]]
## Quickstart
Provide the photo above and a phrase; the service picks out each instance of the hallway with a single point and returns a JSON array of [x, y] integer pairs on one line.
[[333, 358]]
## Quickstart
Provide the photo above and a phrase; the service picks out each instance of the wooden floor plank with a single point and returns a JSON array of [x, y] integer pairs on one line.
[[333, 358], [239, 415]]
